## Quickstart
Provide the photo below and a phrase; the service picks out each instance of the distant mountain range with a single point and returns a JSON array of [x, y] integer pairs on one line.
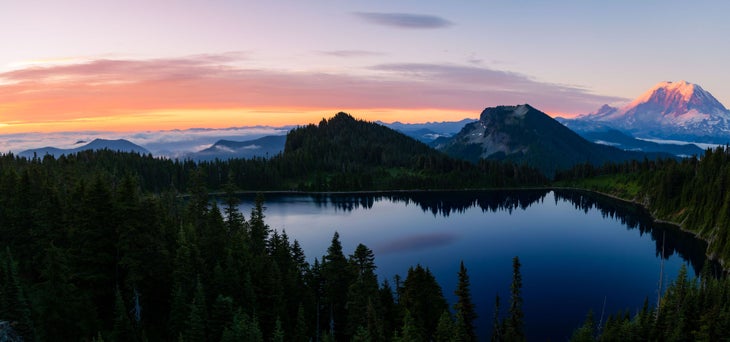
[[429, 131], [523, 134], [668, 111], [618, 139], [264, 147], [120, 145]]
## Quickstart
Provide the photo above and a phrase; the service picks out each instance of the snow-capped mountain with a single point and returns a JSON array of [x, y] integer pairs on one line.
[[670, 110]]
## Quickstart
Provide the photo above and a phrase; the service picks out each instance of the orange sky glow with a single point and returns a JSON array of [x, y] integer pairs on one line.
[[211, 92]]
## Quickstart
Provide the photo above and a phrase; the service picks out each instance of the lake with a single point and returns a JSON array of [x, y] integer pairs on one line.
[[578, 250]]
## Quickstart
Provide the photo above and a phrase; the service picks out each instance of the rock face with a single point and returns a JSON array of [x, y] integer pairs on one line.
[[669, 110], [523, 134]]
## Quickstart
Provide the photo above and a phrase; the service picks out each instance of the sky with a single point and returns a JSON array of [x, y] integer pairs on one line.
[[137, 65]]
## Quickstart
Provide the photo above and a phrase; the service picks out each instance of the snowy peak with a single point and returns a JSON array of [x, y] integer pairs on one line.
[[677, 98], [670, 111]]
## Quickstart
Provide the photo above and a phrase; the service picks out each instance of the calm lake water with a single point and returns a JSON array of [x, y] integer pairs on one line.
[[577, 249]]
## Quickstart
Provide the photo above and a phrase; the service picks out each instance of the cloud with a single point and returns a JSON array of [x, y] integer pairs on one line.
[[170, 143], [219, 91], [404, 20], [351, 53], [493, 87]]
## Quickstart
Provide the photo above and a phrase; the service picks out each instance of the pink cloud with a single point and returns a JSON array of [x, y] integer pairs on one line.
[[108, 87]]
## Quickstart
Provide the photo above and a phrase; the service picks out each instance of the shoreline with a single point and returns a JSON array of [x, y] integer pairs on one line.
[[549, 188]]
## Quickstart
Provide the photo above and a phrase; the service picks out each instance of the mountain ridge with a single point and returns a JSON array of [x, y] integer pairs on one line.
[[669, 110], [120, 145], [523, 134]]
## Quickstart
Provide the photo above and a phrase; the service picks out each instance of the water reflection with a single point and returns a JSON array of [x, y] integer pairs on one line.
[[581, 251], [668, 239]]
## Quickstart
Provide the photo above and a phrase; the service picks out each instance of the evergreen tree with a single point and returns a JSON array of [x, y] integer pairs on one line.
[[496, 322], [423, 298], [62, 306], [585, 333], [196, 325], [221, 317], [258, 229], [300, 329], [278, 335], [514, 324], [123, 330], [336, 284], [361, 335], [445, 330], [465, 309], [389, 309], [234, 219], [363, 291], [410, 330], [243, 329], [15, 305]]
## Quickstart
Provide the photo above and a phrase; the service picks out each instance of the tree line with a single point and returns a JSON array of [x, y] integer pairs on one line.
[[87, 256]]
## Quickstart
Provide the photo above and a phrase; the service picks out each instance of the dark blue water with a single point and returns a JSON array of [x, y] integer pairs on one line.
[[578, 250]]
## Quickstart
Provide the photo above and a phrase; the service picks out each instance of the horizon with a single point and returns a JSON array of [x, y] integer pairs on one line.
[[139, 67]]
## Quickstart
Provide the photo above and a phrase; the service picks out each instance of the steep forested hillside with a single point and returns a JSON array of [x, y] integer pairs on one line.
[[694, 193], [523, 134]]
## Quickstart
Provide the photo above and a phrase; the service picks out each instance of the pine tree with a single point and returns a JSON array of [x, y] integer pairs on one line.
[[16, 306], [234, 219], [445, 331], [123, 329], [258, 229], [363, 291], [243, 329], [196, 325], [410, 331], [514, 327], [422, 296], [278, 334], [496, 322], [221, 316], [361, 335], [465, 309], [336, 284], [585, 333], [300, 329]]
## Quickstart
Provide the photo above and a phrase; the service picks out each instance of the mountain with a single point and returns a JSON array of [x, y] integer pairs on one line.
[[343, 142], [669, 111], [429, 131], [618, 139], [264, 147], [523, 134], [120, 145]]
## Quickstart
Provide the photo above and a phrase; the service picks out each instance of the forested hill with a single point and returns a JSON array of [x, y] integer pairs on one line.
[[343, 153], [344, 143]]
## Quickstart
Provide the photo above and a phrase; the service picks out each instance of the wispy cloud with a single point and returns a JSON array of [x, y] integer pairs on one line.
[[491, 87], [217, 91], [351, 53], [404, 20], [170, 143]]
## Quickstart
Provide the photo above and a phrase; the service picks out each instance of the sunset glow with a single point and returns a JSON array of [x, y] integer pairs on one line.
[[90, 65]]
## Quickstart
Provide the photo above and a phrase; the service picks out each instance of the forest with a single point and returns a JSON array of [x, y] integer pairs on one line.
[[692, 192], [103, 259], [111, 246]]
